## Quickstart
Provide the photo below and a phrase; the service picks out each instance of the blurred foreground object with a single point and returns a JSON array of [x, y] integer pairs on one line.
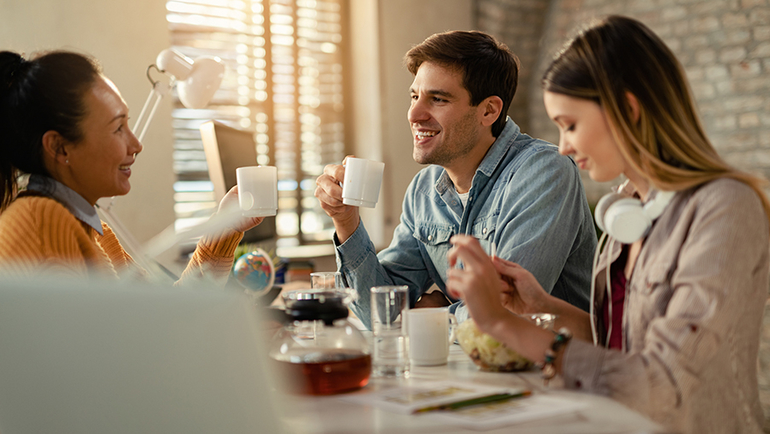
[[126, 357]]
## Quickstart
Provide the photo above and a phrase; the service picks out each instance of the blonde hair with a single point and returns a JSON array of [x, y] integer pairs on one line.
[[667, 144]]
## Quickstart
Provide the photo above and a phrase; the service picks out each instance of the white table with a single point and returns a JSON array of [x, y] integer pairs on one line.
[[330, 414]]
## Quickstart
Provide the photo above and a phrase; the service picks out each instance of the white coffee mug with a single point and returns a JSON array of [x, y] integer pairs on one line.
[[363, 179], [431, 331], [257, 190]]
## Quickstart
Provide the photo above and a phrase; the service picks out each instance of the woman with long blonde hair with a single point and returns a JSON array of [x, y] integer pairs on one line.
[[679, 288]]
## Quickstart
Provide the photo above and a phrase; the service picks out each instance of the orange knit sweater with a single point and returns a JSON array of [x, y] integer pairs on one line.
[[38, 235]]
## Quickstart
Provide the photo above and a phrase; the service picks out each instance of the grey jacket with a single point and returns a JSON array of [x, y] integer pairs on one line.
[[692, 316]]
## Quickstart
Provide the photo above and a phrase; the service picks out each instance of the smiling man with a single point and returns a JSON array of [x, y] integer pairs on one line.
[[485, 178]]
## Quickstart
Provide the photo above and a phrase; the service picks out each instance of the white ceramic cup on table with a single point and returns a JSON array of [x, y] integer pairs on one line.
[[257, 190], [431, 332], [363, 179]]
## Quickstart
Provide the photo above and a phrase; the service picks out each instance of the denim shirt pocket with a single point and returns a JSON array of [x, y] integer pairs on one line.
[[435, 239], [432, 235], [484, 231]]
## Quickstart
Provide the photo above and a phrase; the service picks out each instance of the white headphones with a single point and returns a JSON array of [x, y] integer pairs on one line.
[[627, 219]]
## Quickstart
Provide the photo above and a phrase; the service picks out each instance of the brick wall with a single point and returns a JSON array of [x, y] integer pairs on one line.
[[519, 23], [724, 46]]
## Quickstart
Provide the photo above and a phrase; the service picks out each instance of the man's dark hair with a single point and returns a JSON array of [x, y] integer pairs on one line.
[[488, 67]]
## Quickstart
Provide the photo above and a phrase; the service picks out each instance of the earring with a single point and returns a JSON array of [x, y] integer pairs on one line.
[[67, 161]]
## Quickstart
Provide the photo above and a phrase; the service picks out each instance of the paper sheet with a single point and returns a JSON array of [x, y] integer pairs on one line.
[[409, 398]]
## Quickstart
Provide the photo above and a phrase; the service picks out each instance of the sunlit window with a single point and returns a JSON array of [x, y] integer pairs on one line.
[[284, 84]]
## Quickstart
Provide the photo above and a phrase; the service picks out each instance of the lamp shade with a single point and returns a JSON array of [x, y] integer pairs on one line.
[[197, 79]]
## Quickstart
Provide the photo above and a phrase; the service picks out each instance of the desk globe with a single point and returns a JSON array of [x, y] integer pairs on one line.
[[255, 271]]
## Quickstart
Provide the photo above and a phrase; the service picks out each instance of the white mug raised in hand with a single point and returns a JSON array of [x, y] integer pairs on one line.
[[257, 190], [363, 179]]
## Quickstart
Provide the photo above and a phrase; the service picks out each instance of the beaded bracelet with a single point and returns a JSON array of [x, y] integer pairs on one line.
[[561, 339]]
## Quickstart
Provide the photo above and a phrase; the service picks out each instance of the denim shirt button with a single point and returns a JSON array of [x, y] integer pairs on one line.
[[430, 237], [484, 231]]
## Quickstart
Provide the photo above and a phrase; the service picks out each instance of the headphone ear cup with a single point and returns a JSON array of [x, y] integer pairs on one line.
[[626, 221], [654, 208], [603, 205]]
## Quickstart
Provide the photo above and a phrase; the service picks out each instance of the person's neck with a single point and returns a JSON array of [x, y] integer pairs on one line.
[[640, 185], [462, 170]]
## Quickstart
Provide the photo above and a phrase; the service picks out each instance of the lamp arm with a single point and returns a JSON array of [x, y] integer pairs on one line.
[[158, 91], [131, 245], [175, 66]]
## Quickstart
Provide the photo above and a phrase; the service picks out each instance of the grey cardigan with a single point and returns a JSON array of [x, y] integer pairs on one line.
[[692, 316]]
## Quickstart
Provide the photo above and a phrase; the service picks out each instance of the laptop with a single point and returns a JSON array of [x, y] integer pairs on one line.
[[124, 357]]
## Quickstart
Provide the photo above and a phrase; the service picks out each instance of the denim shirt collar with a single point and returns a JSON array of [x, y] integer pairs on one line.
[[491, 160], [75, 203]]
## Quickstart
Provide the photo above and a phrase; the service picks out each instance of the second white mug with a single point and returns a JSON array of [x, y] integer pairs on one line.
[[431, 331]]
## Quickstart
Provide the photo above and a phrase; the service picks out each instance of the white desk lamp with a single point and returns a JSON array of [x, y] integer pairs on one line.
[[196, 81]]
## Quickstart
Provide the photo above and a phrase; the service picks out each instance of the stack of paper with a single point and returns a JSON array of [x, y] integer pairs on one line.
[[424, 396]]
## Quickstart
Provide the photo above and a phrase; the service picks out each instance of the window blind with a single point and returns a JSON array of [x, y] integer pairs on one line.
[[283, 83]]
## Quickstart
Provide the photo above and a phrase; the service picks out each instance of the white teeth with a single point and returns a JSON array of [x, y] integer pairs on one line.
[[124, 167], [423, 134]]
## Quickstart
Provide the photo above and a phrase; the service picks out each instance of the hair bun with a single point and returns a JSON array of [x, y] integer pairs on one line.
[[12, 65]]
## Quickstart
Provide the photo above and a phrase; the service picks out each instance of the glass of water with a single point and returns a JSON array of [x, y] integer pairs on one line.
[[326, 280], [390, 357]]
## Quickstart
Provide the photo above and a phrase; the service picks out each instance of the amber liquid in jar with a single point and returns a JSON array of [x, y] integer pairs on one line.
[[327, 372]]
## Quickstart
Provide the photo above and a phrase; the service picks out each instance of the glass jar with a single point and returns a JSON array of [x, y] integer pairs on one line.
[[318, 349]]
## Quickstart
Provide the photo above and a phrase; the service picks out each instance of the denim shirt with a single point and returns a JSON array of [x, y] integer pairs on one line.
[[525, 197]]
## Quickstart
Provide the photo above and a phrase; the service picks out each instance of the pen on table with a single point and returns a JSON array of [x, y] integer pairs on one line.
[[475, 401]]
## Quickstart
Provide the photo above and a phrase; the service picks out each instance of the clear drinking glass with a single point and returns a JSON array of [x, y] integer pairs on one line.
[[389, 335], [326, 280]]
